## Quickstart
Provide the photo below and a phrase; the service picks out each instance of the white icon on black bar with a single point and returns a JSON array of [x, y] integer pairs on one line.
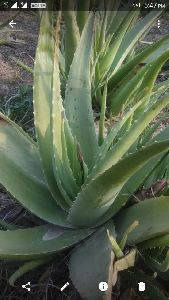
[[64, 286], [38, 5], [103, 286], [27, 286], [141, 286], [25, 5], [15, 5], [11, 23]]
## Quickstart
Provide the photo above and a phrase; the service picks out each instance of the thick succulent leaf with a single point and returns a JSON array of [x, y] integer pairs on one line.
[[115, 18], [116, 42], [132, 37], [38, 242], [78, 104], [62, 170], [72, 35], [123, 145], [21, 173], [155, 264], [141, 83], [117, 100], [43, 73], [92, 263], [158, 52], [97, 197], [157, 242], [152, 216], [109, 140], [138, 178], [133, 65], [83, 8]]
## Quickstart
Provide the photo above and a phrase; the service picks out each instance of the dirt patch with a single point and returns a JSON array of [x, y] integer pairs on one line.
[[20, 44]]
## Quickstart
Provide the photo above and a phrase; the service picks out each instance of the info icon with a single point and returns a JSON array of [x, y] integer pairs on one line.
[[103, 286]]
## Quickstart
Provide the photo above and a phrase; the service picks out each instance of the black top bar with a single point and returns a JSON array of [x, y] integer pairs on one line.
[[99, 5]]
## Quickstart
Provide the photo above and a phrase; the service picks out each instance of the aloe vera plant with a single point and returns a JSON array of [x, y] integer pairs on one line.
[[117, 31], [78, 182]]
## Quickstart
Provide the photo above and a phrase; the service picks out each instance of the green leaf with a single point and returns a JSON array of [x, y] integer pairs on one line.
[[38, 242], [21, 173], [118, 37], [43, 73], [159, 241], [83, 8], [141, 85], [132, 37], [152, 215], [160, 266], [112, 135], [62, 170], [123, 145], [96, 198], [133, 65], [78, 96], [92, 263], [72, 35]]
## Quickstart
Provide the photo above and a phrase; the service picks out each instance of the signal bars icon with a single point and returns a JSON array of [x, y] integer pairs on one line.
[[15, 5], [24, 5]]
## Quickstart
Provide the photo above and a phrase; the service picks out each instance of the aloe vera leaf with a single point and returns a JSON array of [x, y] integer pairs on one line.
[[147, 81], [157, 53], [38, 242], [62, 170], [139, 58], [152, 216], [96, 198], [21, 173], [83, 8], [106, 63], [161, 266], [108, 142], [102, 38], [43, 71], [151, 75], [26, 267], [102, 116], [115, 19], [138, 179], [78, 104], [158, 173], [70, 180], [72, 35], [159, 241], [123, 145], [132, 37], [131, 187], [75, 159], [116, 100], [92, 263], [161, 86], [149, 132]]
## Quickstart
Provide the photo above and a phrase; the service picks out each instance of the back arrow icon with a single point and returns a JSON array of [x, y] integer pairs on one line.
[[12, 23]]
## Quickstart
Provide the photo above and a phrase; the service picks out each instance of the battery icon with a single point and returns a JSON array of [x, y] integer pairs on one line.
[[38, 5]]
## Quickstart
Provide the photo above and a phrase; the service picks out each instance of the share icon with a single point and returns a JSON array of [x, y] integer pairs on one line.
[[27, 286]]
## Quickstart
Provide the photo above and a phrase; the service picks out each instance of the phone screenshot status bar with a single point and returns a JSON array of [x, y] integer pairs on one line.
[[97, 5]]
